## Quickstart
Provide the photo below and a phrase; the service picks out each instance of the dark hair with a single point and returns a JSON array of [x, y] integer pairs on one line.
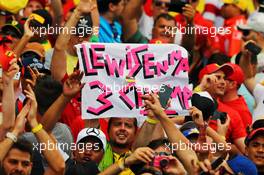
[[154, 144], [258, 124], [218, 58], [103, 5], [24, 146], [111, 120], [94, 139], [47, 90], [165, 16]]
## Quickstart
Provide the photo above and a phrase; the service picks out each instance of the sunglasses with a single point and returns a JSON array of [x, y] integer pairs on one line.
[[159, 4]]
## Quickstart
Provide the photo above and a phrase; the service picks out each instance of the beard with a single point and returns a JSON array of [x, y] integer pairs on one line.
[[118, 145], [3, 172]]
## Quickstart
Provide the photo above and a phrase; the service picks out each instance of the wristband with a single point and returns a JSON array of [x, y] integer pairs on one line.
[[11, 136], [197, 89], [223, 137], [152, 121], [37, 128]]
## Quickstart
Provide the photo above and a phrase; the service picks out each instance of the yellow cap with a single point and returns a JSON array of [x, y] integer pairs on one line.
[[13, 6], [242, 4]]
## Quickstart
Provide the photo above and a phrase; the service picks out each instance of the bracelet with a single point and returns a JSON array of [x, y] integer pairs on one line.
[[152, 121], [11, 136], [121, 164], [197, 89], [223, 137], [37, 128]]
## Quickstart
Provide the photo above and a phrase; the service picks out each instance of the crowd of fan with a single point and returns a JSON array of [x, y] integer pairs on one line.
[[41, 127]]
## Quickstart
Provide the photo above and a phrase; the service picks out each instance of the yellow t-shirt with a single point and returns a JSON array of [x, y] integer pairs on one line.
[[71, 63], [127, 171]]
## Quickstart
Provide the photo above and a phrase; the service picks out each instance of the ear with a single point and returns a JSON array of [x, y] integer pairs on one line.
[[112, 7], [246, 151]]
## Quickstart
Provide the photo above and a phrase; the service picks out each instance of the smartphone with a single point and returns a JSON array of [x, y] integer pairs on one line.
[[164, 95], [215, 164], [177, 5], [253, 48], [220, 115]]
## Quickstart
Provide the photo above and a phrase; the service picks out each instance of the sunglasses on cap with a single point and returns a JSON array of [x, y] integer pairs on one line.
[[160, 3]]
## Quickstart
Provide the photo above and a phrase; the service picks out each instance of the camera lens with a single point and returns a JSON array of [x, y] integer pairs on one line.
[[164, 163]]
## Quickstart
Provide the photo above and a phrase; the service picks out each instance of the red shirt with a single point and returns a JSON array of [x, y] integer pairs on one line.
[[202, 36], [231, 40], [236, 128], [241, 107]]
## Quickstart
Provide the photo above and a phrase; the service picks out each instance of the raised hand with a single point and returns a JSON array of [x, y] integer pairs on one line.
[[72, 86], [143, 154], [34, 76], [222, 128], [152, 103], [11, 72], [197, 116], [33, 105], [21, 120], [188, 12], [27, 30], [86, 6]]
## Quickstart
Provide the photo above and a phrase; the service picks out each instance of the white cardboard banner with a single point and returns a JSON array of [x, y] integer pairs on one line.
[[107, 91]]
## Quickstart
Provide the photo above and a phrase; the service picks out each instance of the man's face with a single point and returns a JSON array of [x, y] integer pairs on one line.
[[230, 85], [229, 10], [255, 151], [159, 30], [119, 8], [159, 7], [122, 131], [32, 6], [89, 150], [17, 163], [217, 87]]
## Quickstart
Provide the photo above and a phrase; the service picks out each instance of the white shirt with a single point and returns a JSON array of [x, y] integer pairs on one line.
[[258, 94]]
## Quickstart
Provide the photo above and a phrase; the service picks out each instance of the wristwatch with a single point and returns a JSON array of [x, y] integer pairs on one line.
[[11, 136]]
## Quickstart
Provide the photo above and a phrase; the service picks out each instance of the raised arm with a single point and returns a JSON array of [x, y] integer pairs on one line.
[[58, 12], [28, 34], [16, 131], [188, 40], [245, 64], [71, 87], [129, 18], [95, 17], [58, 62], [187, 156], [53, 156], [8, 98], [150, 130]]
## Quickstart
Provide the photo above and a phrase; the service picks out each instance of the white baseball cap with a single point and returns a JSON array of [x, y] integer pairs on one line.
[[87, 132], [255, 22]]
